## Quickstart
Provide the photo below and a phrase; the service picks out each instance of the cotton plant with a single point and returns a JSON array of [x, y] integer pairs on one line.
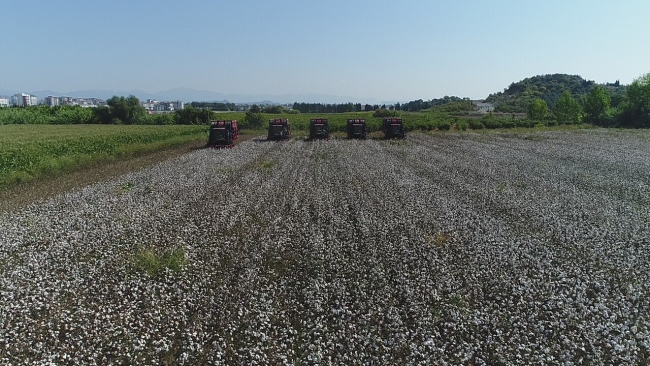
[[519, 248]]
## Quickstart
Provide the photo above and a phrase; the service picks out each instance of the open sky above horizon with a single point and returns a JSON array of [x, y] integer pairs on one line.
[[384, 50]]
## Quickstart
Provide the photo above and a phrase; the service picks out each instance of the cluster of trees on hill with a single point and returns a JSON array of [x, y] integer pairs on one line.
[[549, 88], [566, 110], [599, 106]]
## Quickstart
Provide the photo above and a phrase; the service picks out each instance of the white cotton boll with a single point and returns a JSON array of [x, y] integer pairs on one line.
[[480, 248]]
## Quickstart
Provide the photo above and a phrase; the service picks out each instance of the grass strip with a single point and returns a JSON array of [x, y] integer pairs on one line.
[[153, 263], [30, 152]]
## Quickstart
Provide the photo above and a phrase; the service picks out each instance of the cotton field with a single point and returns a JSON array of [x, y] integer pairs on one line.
[[483, 249]]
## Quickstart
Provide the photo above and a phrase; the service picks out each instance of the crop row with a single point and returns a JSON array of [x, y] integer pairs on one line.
[[28, 150]]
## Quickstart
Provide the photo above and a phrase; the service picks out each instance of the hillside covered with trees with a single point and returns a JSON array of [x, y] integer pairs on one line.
[[549, 88], [570, 99]]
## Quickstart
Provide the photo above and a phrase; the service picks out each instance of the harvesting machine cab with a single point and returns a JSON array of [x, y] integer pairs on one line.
[[319, 128], [279, 129], [357, 128], [222, 134], [393, 128]]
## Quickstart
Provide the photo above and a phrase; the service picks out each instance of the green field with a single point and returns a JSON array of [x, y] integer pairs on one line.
[[28, 152]]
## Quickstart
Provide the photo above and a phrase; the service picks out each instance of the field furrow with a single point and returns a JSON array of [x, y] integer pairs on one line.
[[437, 249]]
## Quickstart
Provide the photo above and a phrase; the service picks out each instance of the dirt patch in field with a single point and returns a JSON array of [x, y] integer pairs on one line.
[[41, 189]]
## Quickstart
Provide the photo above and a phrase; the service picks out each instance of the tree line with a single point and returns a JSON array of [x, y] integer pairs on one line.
[[518, 96], [118, 110], [215, 106], [418, 105], [412, 106], [603, 105], [598, 107]]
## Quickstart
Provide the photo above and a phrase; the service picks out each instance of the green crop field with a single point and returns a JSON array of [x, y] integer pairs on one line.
[[32, 151]]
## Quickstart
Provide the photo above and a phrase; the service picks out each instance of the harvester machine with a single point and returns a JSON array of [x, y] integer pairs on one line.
[[279, 129], [393, 128], [222, 134], [357, 128], [319, 128]]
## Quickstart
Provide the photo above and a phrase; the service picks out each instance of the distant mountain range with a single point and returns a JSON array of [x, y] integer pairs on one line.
[[191, 95]]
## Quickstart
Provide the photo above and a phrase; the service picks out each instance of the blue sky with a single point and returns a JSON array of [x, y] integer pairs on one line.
[[385, 50]]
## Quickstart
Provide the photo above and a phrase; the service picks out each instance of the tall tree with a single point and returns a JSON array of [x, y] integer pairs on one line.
[[193, 116], [638, 94], [127, 110], [567, 110], [597, 104], [635, 110], [537, 109], [137, 112], [253, 120]]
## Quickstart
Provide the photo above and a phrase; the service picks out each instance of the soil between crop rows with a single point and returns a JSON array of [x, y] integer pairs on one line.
[[447, 248]]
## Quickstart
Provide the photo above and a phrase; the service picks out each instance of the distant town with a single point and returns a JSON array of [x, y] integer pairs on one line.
[[153, 106], [27, 100]]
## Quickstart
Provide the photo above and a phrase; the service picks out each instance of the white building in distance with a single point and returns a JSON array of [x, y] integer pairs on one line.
[[24, 100], [69, 101], [178, 105], [4, 102], [51, 101], [154, 106]]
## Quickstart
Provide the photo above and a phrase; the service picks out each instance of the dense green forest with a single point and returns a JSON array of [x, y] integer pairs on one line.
[[517, 97], [570, 98]]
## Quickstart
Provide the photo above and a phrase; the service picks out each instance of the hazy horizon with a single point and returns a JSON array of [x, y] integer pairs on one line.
[[361, 49]]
